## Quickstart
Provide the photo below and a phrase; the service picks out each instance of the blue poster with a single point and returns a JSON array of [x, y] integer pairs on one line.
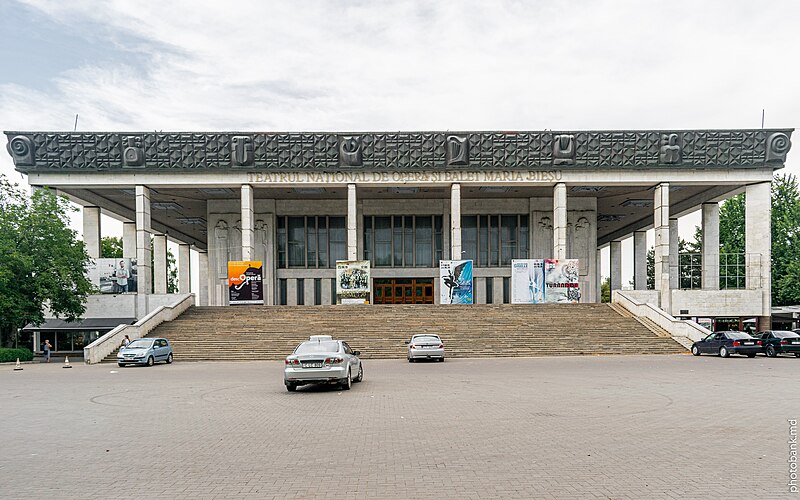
[[456, 282]]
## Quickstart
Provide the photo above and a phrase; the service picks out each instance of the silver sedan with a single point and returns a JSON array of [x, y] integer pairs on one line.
[[425, 346], [322, 360]]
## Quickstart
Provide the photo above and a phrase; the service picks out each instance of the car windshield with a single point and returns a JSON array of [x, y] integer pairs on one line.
[[140, 344], [785, 335], [426, 338], [312, 347], [738, 335]]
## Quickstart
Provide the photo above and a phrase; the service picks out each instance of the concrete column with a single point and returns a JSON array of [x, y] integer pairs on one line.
[[248, 236], [143, 250], [91, 231], [615, 266], [560, 221], [129, 240], [160, 263], [599, 280], [184, 268], [661, 224], [758, 246], [640, 260], [455, 222], [674, 278], [352, 223], [202, 278], [710, 244]]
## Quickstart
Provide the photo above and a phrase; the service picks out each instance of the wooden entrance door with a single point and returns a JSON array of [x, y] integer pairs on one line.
[[403, 291]]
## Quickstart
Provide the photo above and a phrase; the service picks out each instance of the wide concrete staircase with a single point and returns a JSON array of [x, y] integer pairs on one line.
[[272, 332]]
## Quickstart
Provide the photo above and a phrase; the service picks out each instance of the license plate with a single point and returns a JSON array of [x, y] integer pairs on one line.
[[749, 343], [312, 365]]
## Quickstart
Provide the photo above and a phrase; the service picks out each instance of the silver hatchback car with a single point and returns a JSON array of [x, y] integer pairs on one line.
[[425, 346], [322, 360], [145, 351]]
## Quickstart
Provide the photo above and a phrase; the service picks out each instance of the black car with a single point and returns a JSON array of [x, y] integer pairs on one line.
[[727, 343], [780, 341]]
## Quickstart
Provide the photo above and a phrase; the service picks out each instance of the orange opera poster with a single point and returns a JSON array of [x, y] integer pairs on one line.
[[245, 282]]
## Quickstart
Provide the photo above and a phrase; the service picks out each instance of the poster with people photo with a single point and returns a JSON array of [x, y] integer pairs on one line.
[[352, 282], [455, 281], [113, 275]]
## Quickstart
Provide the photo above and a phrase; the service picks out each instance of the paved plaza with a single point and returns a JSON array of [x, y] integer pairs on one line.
[[571, 427]]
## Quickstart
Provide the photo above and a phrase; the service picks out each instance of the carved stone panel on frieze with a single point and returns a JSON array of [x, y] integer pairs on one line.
[[564, 149], [778, 144], [350, 153]]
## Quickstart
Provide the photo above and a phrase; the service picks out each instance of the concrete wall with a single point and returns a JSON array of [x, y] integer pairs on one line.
[[124, 305], [719, 303]]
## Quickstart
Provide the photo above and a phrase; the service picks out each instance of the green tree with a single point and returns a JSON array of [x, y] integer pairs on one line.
[[605, 290], [785, 218], [111, 247], [42, 263]]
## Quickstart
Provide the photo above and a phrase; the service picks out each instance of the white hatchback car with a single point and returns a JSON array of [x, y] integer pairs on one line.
[[425, 346], [322, 360]]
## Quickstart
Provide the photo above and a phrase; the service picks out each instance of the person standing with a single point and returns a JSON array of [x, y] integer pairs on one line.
[[126, 341], [122, 275], [46, 347]]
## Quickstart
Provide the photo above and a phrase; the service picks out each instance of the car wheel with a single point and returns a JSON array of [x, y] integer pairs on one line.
[[410, 360], [151, 361], [291, 387], [771, 352], [169, 359], [347, 383], [797, 355], [122, 365], [751, 355], [695, 350], [360, 376], [441, 360], [723, 352]]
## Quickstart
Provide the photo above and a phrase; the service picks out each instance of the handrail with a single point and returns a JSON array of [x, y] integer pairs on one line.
[[106, 344], [675, 327]]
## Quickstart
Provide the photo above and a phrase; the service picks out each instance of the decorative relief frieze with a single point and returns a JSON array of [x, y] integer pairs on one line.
[[398, 151]]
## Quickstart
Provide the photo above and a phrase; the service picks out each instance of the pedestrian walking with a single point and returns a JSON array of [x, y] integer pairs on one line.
[[46, 347]]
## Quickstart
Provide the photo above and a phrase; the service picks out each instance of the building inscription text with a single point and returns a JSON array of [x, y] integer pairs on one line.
[[446, 176]]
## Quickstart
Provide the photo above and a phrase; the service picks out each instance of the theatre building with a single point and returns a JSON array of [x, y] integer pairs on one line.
[[404, 201]]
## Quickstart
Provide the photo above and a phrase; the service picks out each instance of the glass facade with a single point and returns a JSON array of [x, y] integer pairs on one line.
[[494, 240], [311, 241], [403, 240]]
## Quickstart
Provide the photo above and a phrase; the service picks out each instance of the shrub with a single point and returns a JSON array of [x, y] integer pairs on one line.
[[7, 355]]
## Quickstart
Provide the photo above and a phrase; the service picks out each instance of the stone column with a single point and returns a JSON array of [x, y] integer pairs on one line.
[[710, 246], [758, 246], [248, 237], [184, 268], [661, 225], [160, 263], [674, 271], [91, 231], [640, 260], [143, 250], [129, 240], [202, 279], [599, 279], [352, 223], [560, 221], [455, 222], [615, 266]]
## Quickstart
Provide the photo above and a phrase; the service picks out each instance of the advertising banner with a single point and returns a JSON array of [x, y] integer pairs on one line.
[[527, 281], [113, 275], [561, 281], [245, 282], [352, 282], [455, 279]]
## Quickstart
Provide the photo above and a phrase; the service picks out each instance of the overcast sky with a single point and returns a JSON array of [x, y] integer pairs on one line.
[[410, 65]]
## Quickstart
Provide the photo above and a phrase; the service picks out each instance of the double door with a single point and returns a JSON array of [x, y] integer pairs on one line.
[[403, 291]]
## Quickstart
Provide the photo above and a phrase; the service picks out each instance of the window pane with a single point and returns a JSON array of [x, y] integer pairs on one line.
[[383, 241], [397, 233], [297, 240], [317, 291], [494, 240], [523, 237], [301, 292], [408, 241], [337, 233], [311, 250], [483, 241], [322, 237], [508, 239], [281, 235], [489, 290], [437, 220], [282, 292], [469, 237], [368, 236], [423, 243]]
